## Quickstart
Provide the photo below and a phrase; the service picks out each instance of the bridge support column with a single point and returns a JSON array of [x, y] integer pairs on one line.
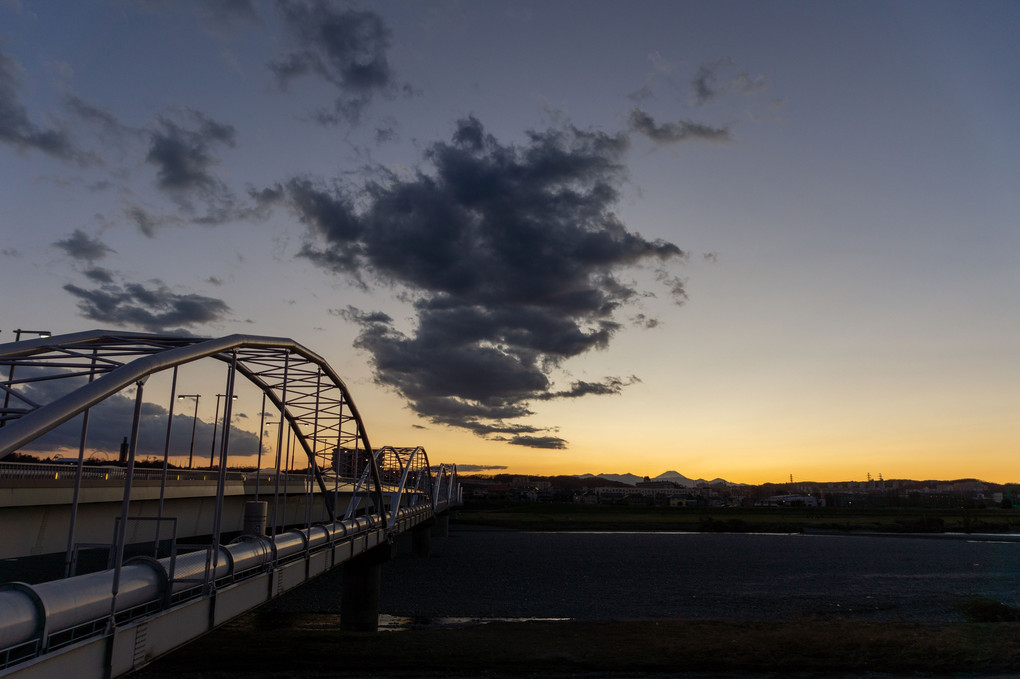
[[421, 540], [441, 529], [359, 596]]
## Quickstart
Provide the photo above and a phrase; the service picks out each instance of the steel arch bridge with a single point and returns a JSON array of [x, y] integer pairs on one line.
[[49, 381]]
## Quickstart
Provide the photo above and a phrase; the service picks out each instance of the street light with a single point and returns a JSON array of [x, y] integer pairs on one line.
[[194, 421], [19, 331], [10, 373], [216, 419]]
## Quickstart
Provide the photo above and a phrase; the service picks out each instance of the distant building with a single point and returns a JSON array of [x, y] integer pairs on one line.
[[794, 500]]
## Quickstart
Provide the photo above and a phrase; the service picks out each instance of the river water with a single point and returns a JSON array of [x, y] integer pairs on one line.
[[497, 574]]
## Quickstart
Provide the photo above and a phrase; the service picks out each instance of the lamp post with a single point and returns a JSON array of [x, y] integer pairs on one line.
[[270, 424], [194, 422], [10, 373], [216, 419]]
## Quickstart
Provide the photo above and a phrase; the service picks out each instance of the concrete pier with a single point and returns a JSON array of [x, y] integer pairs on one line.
[[359, 597]]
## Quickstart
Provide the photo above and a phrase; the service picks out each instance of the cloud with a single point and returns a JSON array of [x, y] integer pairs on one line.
[[156, 308], [346, 47], [548, 442], [182, 156], [79, 245], [608, 386], [467, 468], [510, 254], [96, 115], [672, 133], [99, 275], [17, 130], [716, 78], [110, 421]]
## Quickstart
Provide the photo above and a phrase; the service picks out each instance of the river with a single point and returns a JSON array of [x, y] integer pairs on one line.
[[499, 574]]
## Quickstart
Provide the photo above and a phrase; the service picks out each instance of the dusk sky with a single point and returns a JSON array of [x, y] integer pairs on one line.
[[734, 239]]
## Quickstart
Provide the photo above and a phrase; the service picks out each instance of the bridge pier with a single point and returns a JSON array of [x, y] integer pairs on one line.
[[359, 595], [441, 527], [421, 539]]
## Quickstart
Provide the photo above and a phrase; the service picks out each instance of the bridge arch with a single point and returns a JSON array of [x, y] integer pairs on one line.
[[310, 395]]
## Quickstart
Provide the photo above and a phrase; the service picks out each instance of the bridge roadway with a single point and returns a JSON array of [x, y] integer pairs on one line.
[[110, 622], [350, 507], [36, 502]]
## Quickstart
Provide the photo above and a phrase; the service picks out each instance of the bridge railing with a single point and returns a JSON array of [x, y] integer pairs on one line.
[[36, 619], [58, 471]]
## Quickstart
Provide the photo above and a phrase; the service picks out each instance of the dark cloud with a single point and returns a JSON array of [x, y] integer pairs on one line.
[[548, 442], [17, 129], [99, 275], [672, 133], [80, 245], [183, 154], [346, 47], [156, 308], [146, 222], [110, 421], [643, 321], [510, 254], [608, 386], [183, 157], [467, 468]]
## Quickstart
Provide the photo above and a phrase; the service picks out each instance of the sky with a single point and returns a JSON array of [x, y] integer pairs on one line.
[[733, 239]]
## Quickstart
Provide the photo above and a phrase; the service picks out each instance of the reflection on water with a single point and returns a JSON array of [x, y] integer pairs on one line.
[[399, 623]]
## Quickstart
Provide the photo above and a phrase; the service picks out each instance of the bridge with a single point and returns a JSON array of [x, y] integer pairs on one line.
[[190, 548]]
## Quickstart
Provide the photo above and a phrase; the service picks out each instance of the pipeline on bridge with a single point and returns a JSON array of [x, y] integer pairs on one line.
[[110, 621]]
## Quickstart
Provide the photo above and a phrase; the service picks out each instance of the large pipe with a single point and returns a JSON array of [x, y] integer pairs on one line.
[[34, 612]]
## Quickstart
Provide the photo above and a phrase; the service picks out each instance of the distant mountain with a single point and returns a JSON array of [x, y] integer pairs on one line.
[[674, 476], [629, 479], [677, 477]]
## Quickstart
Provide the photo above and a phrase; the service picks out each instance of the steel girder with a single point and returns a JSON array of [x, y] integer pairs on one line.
[[409, 480], [98, 364]]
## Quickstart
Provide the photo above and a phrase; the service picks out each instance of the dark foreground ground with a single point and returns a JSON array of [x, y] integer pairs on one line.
[[290, 645], [647, 605]]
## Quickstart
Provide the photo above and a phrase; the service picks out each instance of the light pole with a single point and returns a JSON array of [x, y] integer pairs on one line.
[[10, 373], [270, 424], [194, 422], [212, 451]]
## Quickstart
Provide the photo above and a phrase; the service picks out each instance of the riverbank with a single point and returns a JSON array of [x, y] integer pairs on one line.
[[272, 646], [559, 517]]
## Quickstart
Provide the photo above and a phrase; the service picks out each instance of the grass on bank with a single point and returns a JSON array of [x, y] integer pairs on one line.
[[262, 645], [553, 516]]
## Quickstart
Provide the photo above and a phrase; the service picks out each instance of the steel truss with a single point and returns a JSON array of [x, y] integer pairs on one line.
[[96, 365]]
